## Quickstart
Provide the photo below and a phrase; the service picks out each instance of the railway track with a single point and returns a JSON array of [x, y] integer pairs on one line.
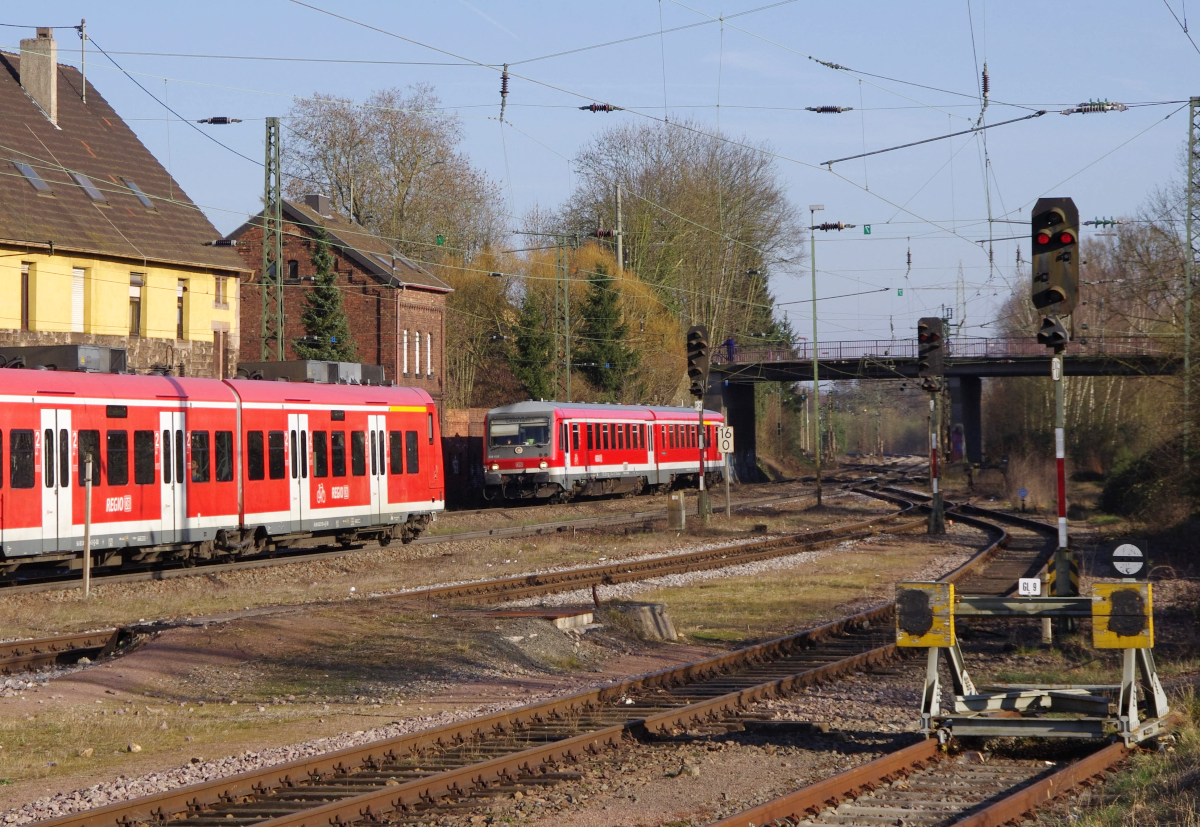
[[30, 582], [922, 785], [19, 656], [458, 767]]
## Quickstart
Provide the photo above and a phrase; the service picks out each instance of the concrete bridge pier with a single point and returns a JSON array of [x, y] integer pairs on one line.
[[966, 413], [736, 401]]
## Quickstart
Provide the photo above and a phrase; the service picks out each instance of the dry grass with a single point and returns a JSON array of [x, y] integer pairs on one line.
[[367, 572], [743, 610], [1157, 788]]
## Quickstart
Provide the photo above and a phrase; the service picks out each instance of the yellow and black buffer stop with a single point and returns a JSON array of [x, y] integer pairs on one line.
[[924, 614], [1122, 615]]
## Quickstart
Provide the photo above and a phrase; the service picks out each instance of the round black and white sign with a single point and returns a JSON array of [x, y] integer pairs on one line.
[[1128, 560]]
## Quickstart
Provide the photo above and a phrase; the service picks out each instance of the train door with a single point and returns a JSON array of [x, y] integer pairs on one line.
[[57, 529], [376, 428], [564, 444], [297, 446], [172, 486]]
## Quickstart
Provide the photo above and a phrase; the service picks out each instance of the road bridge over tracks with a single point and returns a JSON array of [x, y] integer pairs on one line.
[[737, 368]]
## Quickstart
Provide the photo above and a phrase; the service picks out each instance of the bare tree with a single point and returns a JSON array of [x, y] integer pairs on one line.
[[706, 220], [393, 163]]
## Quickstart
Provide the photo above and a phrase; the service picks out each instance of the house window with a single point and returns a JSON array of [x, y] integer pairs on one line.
[[417, 352], [33, 178], [429, 354], [138, 193], [405, 371], [88, 187], [136, 282], [293, 273], [24, 295], [219, 291], [180, 289]]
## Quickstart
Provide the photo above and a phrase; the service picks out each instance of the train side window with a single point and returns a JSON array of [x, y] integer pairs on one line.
[[48, 458], [413, 460], [64, 458], [575, 436], [224, 446], [178, 455], [320, 454], [670, 436], [118, 457], [143, 457], [276, 462], [89, 443], [619, 437], [200, 456], [166, 454], [589, 436], [374, 464], [396, 440], [294, 455], [358, 453], [628, 435], [430, 429], [338, 449], [20, 457], [304, 454], [254, 457]]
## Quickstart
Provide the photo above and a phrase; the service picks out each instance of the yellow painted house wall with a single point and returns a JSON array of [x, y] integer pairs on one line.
[[106, 296]]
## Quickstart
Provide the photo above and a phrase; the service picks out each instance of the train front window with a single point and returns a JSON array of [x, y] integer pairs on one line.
[[512, 432]]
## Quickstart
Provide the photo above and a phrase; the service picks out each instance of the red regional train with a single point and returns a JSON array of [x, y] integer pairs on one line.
[[189, 469], [561, 450]]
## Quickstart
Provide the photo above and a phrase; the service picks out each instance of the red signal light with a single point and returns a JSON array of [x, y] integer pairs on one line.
[[1043, 238], [1067, 238]]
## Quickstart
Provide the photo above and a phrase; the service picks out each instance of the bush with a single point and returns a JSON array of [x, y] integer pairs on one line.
[[1151, 487]]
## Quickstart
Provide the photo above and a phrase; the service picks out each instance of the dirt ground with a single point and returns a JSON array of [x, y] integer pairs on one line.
[[304, 672], [388, 570]]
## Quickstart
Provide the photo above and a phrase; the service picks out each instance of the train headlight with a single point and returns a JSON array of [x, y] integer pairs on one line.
[[495, 466], [543, 464]]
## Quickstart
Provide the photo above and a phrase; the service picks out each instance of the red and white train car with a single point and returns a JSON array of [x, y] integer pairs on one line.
[[194, 468], [560, 450]]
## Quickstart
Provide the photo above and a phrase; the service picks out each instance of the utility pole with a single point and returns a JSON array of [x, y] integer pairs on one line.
[[272, 250], [620, 235], [813, 227], [83, 38], [1192, 249]]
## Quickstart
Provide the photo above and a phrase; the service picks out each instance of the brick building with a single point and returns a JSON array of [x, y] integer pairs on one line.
[[98, 244], [396, 308]]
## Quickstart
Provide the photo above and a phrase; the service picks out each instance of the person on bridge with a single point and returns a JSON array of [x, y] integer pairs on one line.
[[730, 347]]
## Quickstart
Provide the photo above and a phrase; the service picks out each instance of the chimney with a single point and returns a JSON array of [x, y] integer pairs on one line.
[[39, 71], [318, 204]]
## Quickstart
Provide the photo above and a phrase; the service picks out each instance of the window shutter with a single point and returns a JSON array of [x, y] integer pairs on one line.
[[77, 300]]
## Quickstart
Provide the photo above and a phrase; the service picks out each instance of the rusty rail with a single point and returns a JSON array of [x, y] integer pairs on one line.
[[23, 655]]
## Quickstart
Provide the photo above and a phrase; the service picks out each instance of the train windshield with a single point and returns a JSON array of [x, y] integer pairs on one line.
[[519, 432]]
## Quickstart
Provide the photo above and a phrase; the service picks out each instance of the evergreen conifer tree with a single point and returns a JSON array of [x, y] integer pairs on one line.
[[325, 324], [606, 360], [533, 352]]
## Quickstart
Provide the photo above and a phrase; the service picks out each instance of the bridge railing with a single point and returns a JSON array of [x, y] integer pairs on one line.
[[957, 347]]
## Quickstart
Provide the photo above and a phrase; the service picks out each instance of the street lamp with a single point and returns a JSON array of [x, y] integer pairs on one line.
[[813, 227]]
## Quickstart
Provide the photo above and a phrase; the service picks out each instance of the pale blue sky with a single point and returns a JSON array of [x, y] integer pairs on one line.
[[1039, 56]]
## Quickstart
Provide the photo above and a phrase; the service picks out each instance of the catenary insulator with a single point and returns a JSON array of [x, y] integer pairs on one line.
[[987, 83], [601, 107], [829, 110]]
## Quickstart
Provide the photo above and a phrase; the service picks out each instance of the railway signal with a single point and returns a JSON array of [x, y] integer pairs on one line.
[[697, 359], [1055, 228], [931, 367], [930, 349]]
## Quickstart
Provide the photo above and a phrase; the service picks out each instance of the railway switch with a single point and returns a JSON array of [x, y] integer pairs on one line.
[[1122, 616]]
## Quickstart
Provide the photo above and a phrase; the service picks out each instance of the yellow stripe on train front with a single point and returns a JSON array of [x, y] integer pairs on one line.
[[407, 408]]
